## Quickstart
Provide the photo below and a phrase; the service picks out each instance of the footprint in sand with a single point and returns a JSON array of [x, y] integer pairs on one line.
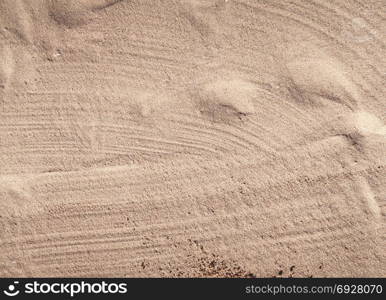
[[16, 198], [201, 15], [18, 21], [368, 134], [317, 81], [225, 100], [319, 78], [73, 13]]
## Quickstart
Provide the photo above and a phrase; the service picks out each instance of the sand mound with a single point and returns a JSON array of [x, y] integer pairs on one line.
[[72, 13], [223, 100]]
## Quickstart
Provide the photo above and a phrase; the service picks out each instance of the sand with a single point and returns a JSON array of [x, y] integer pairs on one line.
[[192, 138]]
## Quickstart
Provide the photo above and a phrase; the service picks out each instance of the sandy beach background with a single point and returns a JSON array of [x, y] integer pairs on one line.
[[203, 138]]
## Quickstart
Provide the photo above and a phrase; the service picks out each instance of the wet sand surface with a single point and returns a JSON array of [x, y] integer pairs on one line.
[[228, 138]]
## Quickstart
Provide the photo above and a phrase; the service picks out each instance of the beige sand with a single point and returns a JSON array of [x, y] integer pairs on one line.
[[192, 138]]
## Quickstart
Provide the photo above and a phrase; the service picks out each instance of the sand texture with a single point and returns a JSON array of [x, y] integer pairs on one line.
[[202, 138]]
